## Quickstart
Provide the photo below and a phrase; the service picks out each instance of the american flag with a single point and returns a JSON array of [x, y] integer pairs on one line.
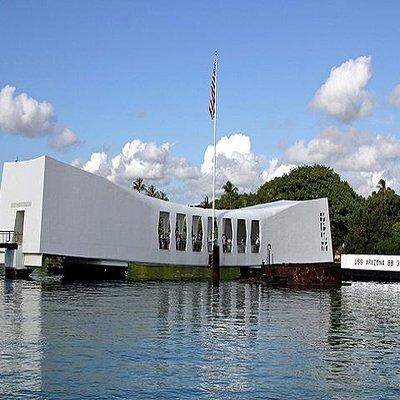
[[211, 107]]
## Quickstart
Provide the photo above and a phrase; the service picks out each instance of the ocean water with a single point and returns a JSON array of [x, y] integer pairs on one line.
[[188, 340]]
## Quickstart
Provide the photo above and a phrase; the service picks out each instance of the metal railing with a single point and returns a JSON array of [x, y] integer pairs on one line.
[[10, 237]]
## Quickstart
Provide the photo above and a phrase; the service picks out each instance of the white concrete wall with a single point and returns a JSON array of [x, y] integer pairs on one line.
[[295, 233], [292, 229], [75, 213], [22, 189]]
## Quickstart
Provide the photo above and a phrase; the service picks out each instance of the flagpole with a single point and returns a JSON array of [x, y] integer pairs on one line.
[[215, 151]]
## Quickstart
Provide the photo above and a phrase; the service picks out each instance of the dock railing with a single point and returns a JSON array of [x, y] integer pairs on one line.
[[10, 239]]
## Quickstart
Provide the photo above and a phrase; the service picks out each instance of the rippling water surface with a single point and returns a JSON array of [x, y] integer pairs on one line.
[[159, 340]]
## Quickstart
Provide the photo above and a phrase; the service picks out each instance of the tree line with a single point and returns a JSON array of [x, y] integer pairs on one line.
[[150, 190], [361, 225]]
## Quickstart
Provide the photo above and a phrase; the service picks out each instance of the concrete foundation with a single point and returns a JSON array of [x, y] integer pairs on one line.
[[310, 275], [14, 264]]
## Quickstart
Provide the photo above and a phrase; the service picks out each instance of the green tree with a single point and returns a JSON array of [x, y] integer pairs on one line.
[[375, 229], [151, 191], [230, 188], [162, 196], [205, 203], [311, 182], [382, 185], [139, 185], [229, 198]]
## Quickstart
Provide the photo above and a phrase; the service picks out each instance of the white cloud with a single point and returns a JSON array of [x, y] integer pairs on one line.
[[26, 116], [149, 160], [235, 162], [182, 169], [97, 164], [63, 138], [276, 169], [145, 159], [359, 157], [394, 96], [76, 162], [155, 163], [343, 95]]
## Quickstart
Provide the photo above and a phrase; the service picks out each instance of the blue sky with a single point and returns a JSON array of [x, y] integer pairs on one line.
[[116, 71]]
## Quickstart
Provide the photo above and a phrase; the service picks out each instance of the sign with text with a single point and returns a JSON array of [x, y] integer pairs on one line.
[[370, 262]]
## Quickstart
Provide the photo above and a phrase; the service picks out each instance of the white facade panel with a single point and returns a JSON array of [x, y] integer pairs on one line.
[[22, 190]]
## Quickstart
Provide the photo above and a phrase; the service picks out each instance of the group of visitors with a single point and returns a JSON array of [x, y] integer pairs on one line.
[[180, 241], [241, 245], [164, 240], [196, 242], [226, 243], [255, 244]]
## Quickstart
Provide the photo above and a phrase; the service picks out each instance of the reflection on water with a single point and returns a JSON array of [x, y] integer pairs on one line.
[[20, 338], [190, 340]]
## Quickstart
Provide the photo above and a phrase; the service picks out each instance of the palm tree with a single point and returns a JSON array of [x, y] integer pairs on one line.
[[151, 191], [139, 185], [162, 196], [205, 203], [230, 190], [382, 185]]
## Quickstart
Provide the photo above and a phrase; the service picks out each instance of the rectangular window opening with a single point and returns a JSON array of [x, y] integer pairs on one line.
[[164, 231], [255, 236], [241, 236], [181, 232], [227, 235], [197, 233]]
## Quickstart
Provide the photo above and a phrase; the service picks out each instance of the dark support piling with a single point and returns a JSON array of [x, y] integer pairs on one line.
[[13, 273], [215, 266], [116, 273], [263, 268], [244, 272], [87, 272]]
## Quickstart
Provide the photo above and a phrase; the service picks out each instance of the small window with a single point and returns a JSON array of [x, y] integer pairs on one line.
[[197, 233], [181, 232], [164, 230], [241, 236], [255, 236]]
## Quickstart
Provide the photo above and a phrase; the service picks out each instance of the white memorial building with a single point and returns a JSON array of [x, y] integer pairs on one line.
[[51, 208]]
